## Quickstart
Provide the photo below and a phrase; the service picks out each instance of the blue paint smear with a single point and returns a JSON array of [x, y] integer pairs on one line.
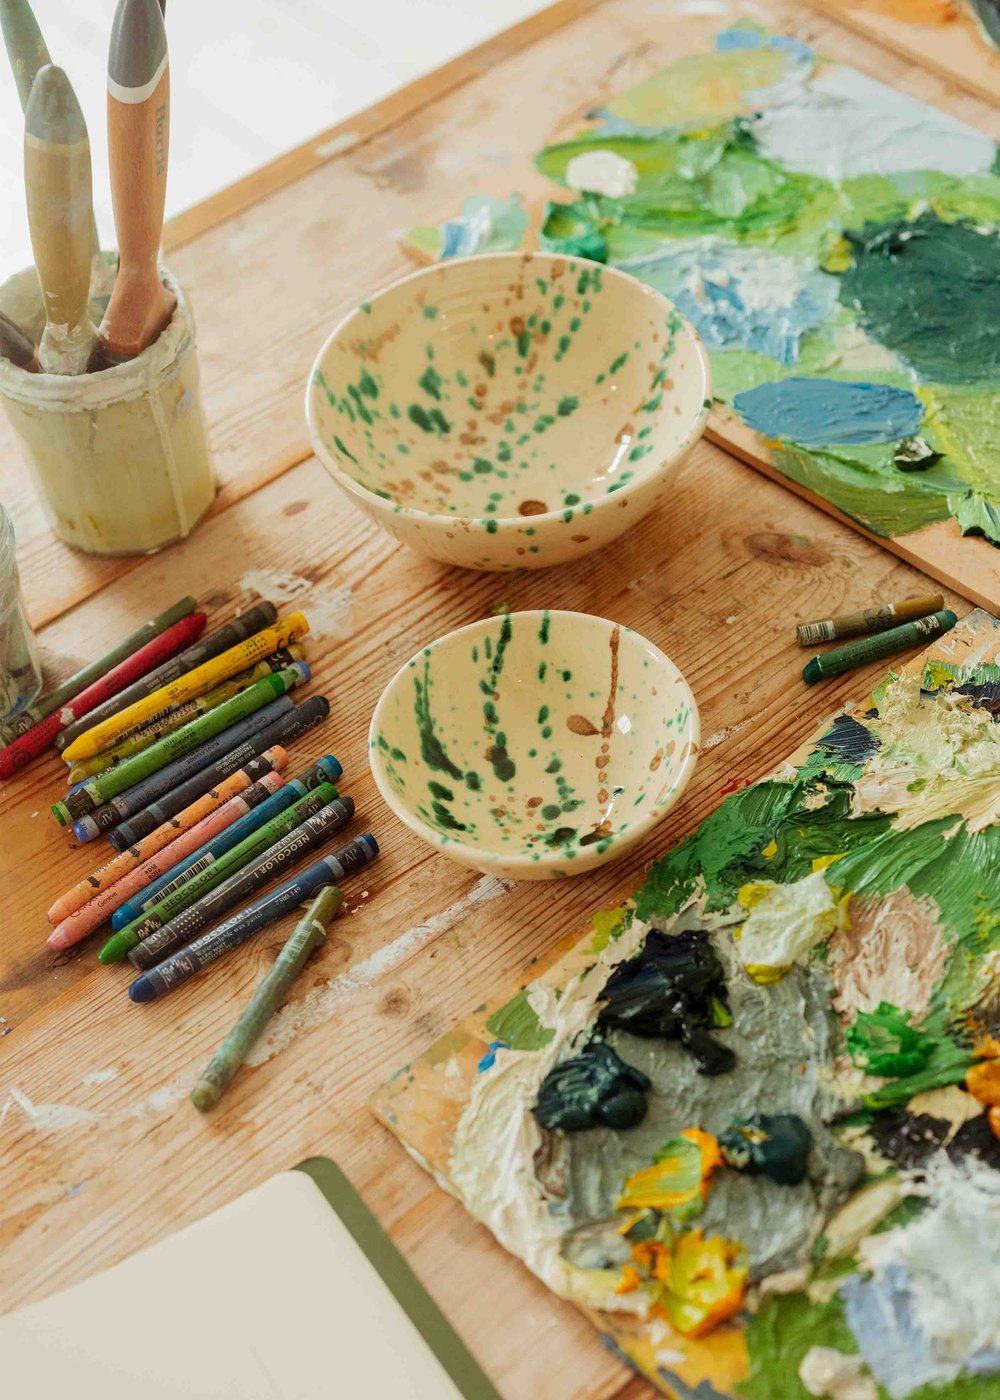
[[830, 412], [490, 1058], [880, 1314], [740, 38], [720, 290], [485, 225]]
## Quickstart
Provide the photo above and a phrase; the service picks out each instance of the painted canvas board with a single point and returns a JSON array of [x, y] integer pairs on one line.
[[958, 39], [748, 1120], [837, 245]]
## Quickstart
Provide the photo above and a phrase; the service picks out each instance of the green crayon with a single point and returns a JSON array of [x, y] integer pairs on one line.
[[256, 844], [309, 934], [877, 648], [87, 675], [144, 735], [96, 791]]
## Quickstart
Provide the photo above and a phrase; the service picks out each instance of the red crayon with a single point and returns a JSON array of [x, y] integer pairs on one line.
[[37, 739]]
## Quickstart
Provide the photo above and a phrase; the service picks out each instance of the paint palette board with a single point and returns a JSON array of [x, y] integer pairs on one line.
[[943, 35], [837, 245], [838, 925]]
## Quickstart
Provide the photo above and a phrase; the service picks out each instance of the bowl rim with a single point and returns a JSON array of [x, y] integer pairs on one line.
[[478, 856], [508, 523]]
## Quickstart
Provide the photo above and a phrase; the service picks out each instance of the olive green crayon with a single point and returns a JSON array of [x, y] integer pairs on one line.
[[309, 934], [144, 735], [262, 840], [878, 647], [95, 792], [859, 624]]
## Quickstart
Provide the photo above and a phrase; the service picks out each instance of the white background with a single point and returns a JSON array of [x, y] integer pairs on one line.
[[249, 79]]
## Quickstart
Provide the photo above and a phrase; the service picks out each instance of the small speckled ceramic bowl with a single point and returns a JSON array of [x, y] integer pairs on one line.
[[535, 744], [509, 411]]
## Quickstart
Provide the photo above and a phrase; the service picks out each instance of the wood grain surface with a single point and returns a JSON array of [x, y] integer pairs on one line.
[[716, 576]]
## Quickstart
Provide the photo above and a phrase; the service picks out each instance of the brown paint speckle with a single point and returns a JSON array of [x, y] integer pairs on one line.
[[532, 508], [579, 724]]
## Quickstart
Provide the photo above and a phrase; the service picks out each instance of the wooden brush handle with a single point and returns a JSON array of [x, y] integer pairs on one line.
[[138, 133]]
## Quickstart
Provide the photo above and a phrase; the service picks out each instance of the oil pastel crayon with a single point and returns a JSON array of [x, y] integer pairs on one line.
[[98, 790], [164, 835], [166, 909], [210, 645], [289, 727], [241, 927], [146, 734], [859, 624], [877, 648], [192, 683], [68, 689], [166, 779], [129, 934], [251, 877], [98, 910], [326, 770], [308, 935], [37, 739]]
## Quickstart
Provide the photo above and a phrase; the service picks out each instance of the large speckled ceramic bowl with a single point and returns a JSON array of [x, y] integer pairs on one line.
[[509, 411], [535, 744]]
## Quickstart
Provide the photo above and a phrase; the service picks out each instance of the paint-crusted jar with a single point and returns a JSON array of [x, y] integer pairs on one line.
[[20, 673], [120, 457]]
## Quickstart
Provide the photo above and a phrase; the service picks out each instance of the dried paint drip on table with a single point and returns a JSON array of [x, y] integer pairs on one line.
[[754, 1116], [504, 740], [836, 244]]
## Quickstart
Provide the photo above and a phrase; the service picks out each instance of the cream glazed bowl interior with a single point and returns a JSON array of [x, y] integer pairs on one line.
[[508, 411], [535, 744]]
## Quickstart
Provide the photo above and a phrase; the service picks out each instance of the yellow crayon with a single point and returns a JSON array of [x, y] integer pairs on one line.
[[145, 734], [188, 686]]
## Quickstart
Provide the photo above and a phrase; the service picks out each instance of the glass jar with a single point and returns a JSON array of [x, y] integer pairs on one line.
[[20, 673]]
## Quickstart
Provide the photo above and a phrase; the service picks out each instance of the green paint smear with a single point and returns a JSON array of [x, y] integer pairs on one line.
[[930, 291], [784, 1328], [431, 748], [726, 849], [518, 1025]]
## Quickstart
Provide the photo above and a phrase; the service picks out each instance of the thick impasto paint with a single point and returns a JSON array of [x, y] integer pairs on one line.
[[750, 1120], [837, 245]]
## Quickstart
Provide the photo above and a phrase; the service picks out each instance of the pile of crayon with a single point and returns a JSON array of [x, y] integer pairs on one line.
[[176, 741]]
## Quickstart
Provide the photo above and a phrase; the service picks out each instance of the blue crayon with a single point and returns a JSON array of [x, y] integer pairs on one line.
[[320, 772], [141, 794], [241, 927]]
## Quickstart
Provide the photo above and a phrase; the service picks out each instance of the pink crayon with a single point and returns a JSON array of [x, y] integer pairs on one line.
[[99, 909], [164, 835]]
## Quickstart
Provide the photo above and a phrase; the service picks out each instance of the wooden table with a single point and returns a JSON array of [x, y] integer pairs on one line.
[[100, 1152]]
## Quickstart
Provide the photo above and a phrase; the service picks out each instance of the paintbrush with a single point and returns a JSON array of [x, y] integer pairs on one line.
[[17, 346], [138, 131], [27, 51], [60, 217]]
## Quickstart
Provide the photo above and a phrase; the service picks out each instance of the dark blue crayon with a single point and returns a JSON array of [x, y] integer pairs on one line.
[[151, 946], [164, 780], [283, 731], [320, 772], [241, 927]]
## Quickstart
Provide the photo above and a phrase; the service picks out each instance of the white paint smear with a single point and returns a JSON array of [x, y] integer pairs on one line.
[[846, 124], [47, 1117], [721, 735], [328, 610], [100, 1076], [323, 1002]]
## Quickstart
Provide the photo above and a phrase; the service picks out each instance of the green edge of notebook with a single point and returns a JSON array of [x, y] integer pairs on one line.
[[401, 1281]]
